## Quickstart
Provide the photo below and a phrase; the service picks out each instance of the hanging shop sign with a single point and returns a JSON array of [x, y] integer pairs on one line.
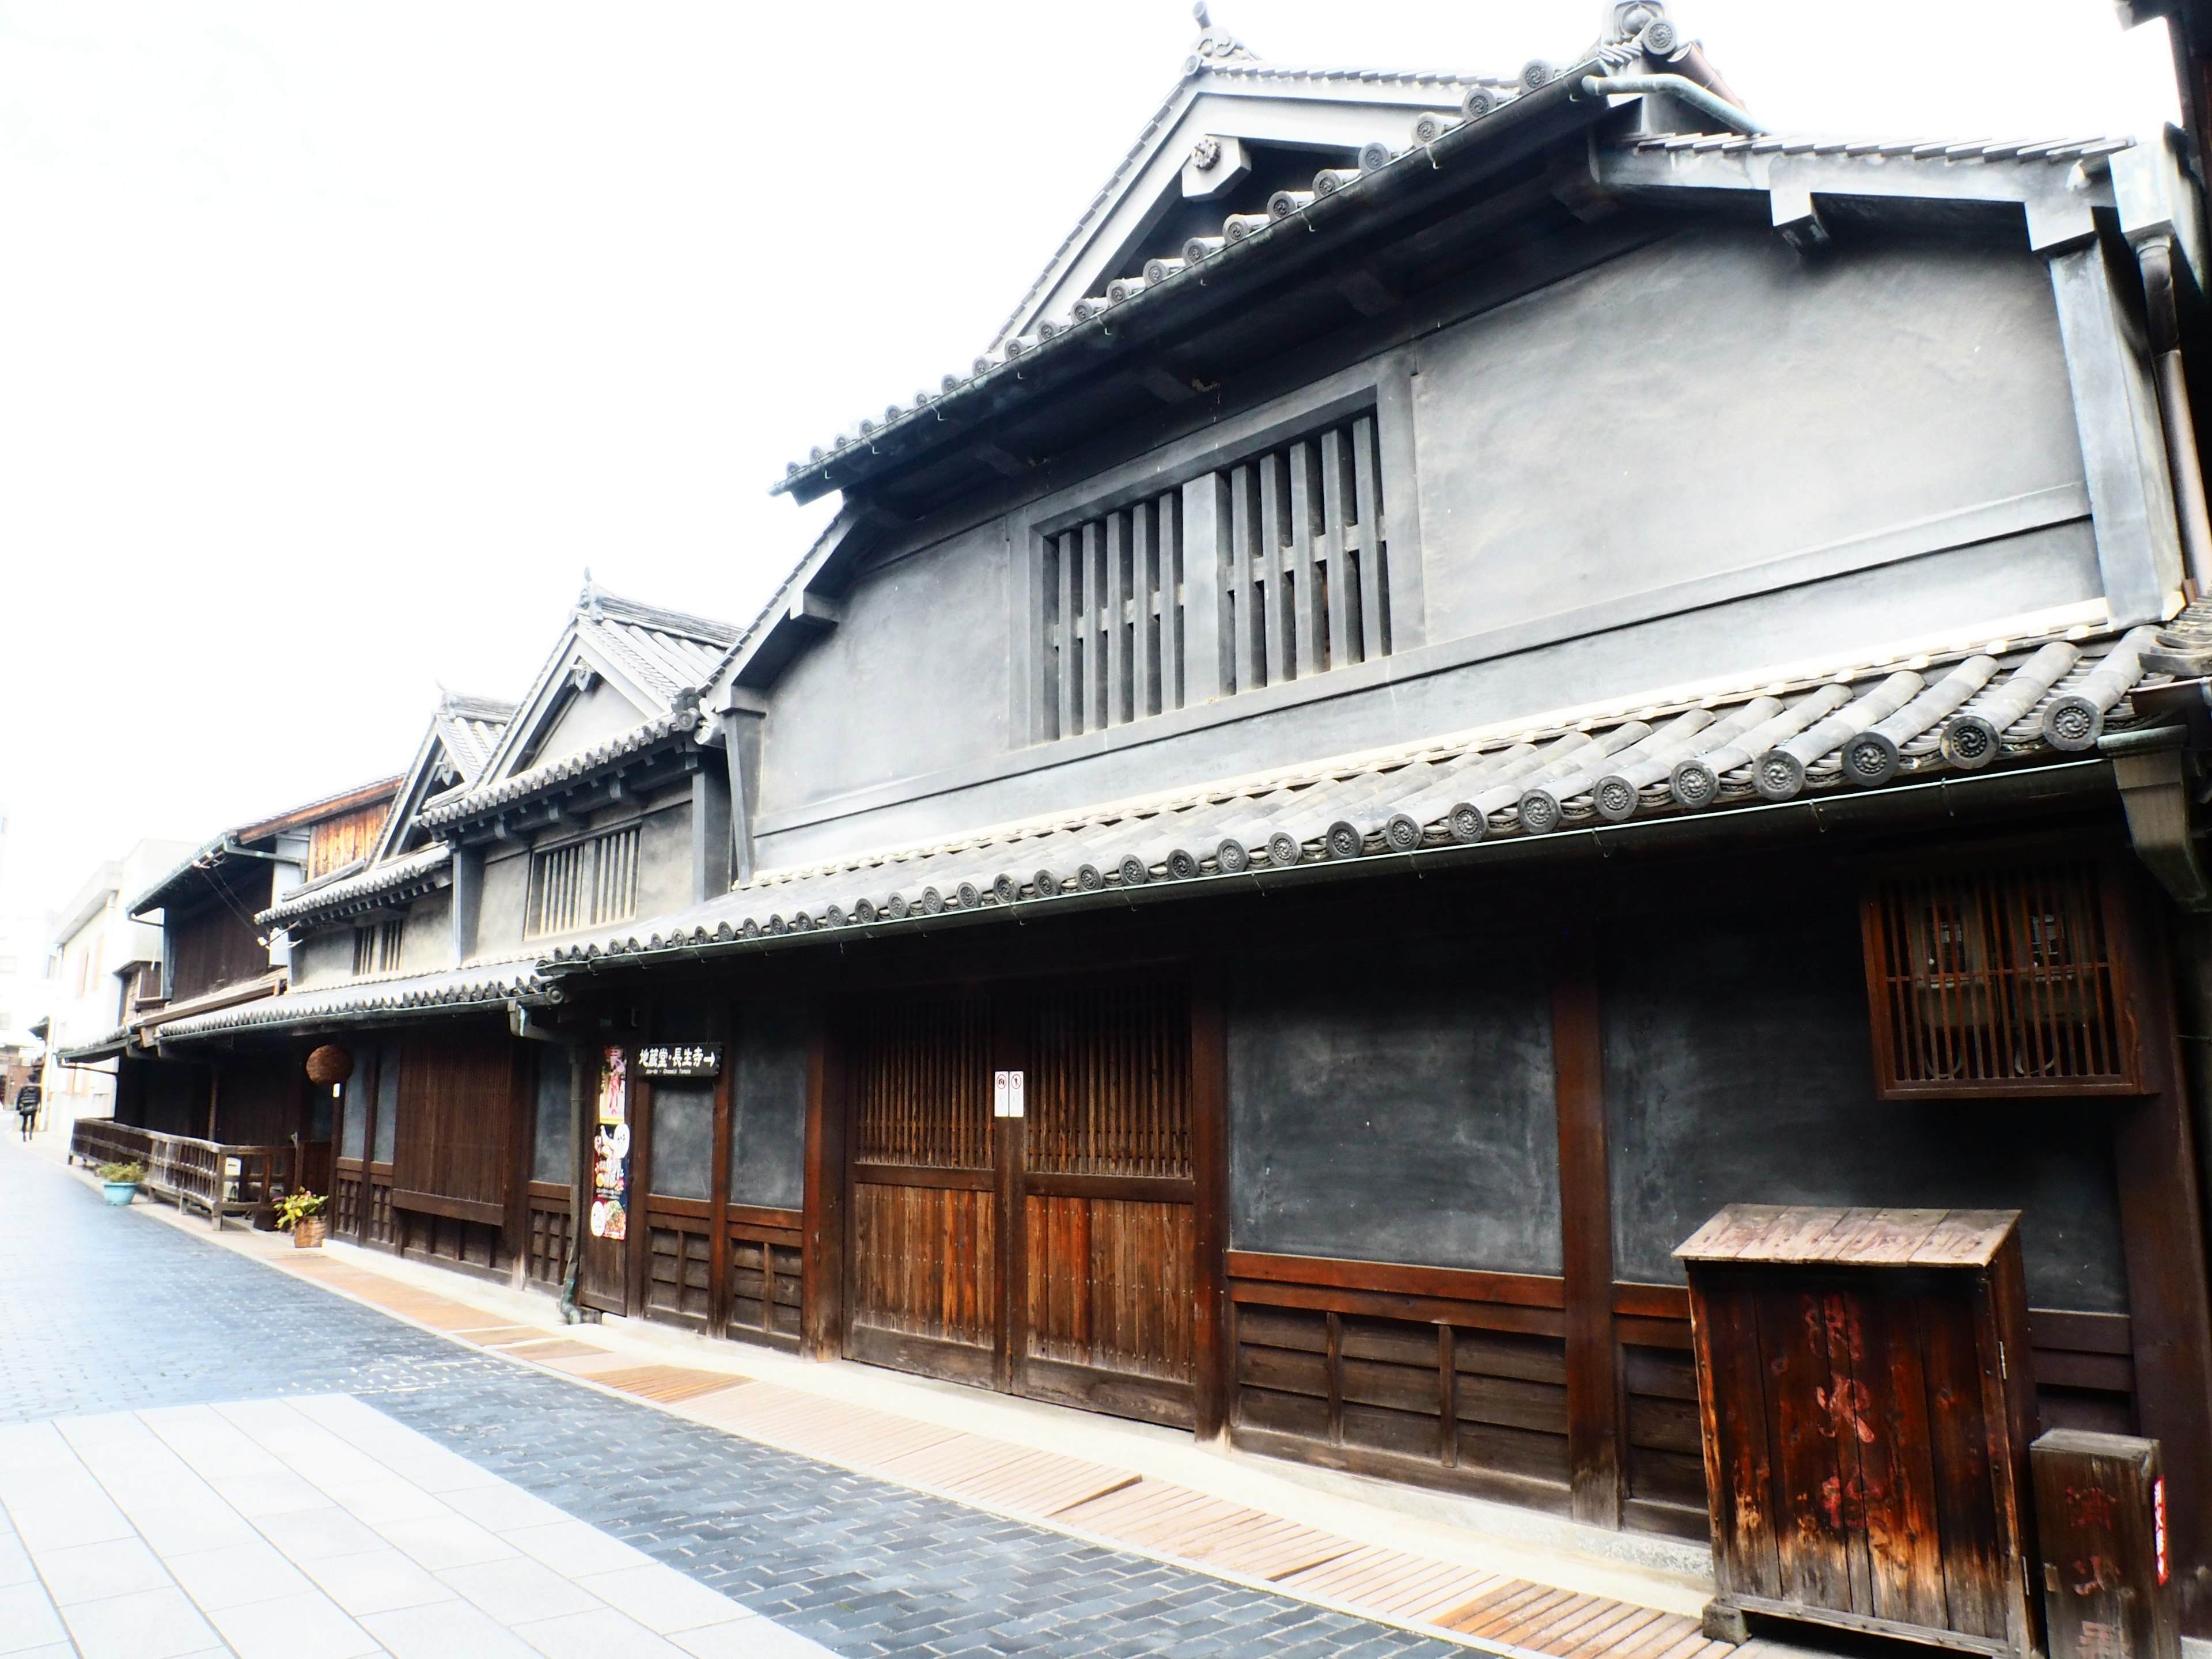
[[610, 1149], [693, 1059]]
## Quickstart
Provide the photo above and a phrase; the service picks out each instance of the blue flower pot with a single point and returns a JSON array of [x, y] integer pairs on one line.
[[119, 1192]]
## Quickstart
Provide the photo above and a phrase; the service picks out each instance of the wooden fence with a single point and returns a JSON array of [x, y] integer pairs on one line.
[[220, 1179]]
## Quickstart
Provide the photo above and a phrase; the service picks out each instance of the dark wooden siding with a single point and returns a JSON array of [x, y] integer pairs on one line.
[[215, 944], [456, 1096]]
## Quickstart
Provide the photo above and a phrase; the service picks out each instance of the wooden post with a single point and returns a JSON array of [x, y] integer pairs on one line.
[[1205, 531], [822, 1260], [521, 1145], [1209, 1159], [717, 1242], [637, 1256], [1593, 1401], [2162, 1234]]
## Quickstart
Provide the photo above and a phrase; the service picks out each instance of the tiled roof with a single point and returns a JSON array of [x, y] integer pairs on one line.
[[473, 984], [357, 883], [470, 728], [670, 653], [1478, 100], [539, 780], [1941, 713], [1936, 150]]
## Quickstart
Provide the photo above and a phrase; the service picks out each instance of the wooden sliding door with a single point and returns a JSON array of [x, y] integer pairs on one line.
[[926, 1275], [1109, 1202], [1050, 1254]]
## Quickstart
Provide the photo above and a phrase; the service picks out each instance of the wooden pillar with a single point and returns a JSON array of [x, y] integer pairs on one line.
[[718, 1188], [2162, 1235], [521, 1145], [1205, 532], [822, 1261], [1594, 1392], [1209, 1159], [637, 1254]]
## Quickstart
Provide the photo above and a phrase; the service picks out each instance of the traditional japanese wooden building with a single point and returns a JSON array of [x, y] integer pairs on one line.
[[1487, 667]]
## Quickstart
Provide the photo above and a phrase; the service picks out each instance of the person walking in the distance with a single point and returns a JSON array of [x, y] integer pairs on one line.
[[27, 1108]]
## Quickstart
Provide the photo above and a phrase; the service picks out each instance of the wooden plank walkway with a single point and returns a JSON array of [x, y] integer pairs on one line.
[[1159, 1517]]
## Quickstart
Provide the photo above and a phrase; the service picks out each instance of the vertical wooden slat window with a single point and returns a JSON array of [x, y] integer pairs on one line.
[[584, 883], [376, 949], [1987, 983], [1305, 585], [1308, 584], [1112, 641]]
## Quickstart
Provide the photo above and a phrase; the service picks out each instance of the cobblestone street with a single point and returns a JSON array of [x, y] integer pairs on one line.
[[109, 1312]]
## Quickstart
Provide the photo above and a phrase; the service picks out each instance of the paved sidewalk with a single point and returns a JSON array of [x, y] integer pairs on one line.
[[113, 1311], [320, 1527]]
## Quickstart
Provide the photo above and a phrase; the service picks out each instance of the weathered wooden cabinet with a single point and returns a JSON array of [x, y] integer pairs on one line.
[[2108, 1579], [1867, 1402]]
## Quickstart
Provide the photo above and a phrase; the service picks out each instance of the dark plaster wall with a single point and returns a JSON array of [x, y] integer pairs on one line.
[[768, 1106], [1738, 1070], [1395, 1106]]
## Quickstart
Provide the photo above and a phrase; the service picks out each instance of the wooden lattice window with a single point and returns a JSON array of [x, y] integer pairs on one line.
[[377, 948], [584, 883], [1996, 982]]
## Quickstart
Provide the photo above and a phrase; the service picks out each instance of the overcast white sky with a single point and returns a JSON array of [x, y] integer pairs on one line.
[[335, 340]]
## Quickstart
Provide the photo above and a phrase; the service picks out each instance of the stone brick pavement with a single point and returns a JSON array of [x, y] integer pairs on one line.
[[106, 1310]]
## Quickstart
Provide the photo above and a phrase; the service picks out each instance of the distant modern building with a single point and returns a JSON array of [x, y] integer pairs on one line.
[[103, 967]]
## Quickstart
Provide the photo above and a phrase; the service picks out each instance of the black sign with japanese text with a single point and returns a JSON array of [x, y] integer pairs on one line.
[[680, 1060]]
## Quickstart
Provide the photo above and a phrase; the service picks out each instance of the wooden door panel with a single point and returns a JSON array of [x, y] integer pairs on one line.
[[1109, 1286], [926, 1262], [924, 1257], [1109, 1239]]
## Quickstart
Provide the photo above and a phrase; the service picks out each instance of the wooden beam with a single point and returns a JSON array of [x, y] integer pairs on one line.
[[1594, 1392], [822, 1259], [718, 1184], [1209, 1158], [2162, 1237]]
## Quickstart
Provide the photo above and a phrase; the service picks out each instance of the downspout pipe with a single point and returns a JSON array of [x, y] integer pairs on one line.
[[2155, 255], [1698, 98]]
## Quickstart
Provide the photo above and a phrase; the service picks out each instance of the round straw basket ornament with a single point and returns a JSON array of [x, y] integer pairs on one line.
[[329, 1064]]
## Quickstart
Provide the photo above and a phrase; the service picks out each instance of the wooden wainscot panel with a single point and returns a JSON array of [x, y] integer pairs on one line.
[[550, 1229], [1662, 1459], [763, 1296], [1437, 1376], [1867, 1400]]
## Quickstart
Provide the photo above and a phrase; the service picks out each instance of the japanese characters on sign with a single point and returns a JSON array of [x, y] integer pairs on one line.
[[1005, 1094], [680, 1060]]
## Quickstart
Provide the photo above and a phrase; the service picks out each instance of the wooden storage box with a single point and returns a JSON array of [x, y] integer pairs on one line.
[[1866, 1408]]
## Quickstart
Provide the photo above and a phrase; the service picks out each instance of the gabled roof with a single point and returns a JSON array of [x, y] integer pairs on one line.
[[1822, 738], [201, 865], [659, 661], [457, 744], [1350, 123]]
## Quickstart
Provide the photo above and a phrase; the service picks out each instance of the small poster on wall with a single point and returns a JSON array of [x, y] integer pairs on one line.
[[611, 1150]]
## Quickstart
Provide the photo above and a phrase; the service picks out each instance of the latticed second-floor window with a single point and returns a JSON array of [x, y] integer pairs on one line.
[[1285, 576], [584, 884], [376, 949]]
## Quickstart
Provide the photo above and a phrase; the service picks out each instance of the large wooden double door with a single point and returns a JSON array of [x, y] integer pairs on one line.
[[1051, 1254]]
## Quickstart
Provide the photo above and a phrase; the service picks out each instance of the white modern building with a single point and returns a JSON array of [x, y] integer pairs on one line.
[[103, 967]]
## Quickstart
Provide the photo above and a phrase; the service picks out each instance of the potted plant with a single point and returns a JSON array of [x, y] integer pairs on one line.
[[300, 1215], [119, 1181]]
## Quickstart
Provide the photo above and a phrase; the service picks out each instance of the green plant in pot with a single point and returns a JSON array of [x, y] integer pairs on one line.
[[118, 1182], [302, 1215]]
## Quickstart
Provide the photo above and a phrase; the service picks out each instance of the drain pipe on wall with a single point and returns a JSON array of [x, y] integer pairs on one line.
[[1700, 99], [519, 1023], [2155, 255]]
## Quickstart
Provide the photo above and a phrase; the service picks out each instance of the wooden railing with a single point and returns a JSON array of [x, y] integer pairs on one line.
[[209, 1176]]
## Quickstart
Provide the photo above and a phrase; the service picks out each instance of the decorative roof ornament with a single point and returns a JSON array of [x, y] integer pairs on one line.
[[1214, 45], [588, 601]]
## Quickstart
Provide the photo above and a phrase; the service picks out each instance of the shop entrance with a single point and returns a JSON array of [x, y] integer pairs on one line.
[[1023, 1201]]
